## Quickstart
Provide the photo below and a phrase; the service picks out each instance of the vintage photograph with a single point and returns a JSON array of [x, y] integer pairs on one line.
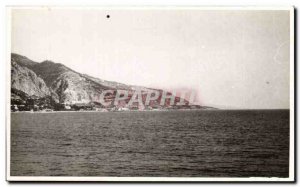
[[150, 94]]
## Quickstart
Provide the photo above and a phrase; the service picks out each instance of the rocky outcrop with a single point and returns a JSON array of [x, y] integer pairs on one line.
[[71, 87], [27, 81]]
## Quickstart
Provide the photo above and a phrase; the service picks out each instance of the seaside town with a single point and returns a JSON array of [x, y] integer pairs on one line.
[[20, 102], [46, 105]]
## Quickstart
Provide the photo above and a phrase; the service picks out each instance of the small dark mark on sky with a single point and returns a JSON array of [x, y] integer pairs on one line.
[[268, 82], [107, 16]]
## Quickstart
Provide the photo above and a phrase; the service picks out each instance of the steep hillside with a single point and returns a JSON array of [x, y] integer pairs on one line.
[[27, 81], [71, 87], [65, 85], [22, 60]]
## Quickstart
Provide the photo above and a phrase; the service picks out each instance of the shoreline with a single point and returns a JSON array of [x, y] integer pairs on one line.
[[93, 111], [183, 110]]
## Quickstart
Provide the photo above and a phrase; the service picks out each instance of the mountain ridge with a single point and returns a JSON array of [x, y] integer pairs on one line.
[[66, 86]]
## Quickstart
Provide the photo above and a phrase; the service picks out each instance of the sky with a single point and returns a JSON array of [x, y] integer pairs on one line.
[[232, 58]]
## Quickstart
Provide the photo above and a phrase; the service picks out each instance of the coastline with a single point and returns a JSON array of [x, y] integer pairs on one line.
[[93, 111], [129, 111]]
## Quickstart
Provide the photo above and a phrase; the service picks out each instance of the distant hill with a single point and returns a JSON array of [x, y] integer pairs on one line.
[[64, 85]]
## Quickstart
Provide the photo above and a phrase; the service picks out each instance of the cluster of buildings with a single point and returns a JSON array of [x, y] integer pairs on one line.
[[34, 104], [47, 104]]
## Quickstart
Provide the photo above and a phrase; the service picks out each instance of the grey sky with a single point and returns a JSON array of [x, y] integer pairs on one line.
[[233, 58]]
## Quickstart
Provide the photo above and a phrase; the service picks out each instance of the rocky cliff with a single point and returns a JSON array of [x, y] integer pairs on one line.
[[26, 80]]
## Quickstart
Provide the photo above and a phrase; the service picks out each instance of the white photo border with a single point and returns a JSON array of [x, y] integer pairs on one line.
[[291, 177]]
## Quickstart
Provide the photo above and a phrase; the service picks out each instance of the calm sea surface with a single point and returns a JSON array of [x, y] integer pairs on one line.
[[169, 144]]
